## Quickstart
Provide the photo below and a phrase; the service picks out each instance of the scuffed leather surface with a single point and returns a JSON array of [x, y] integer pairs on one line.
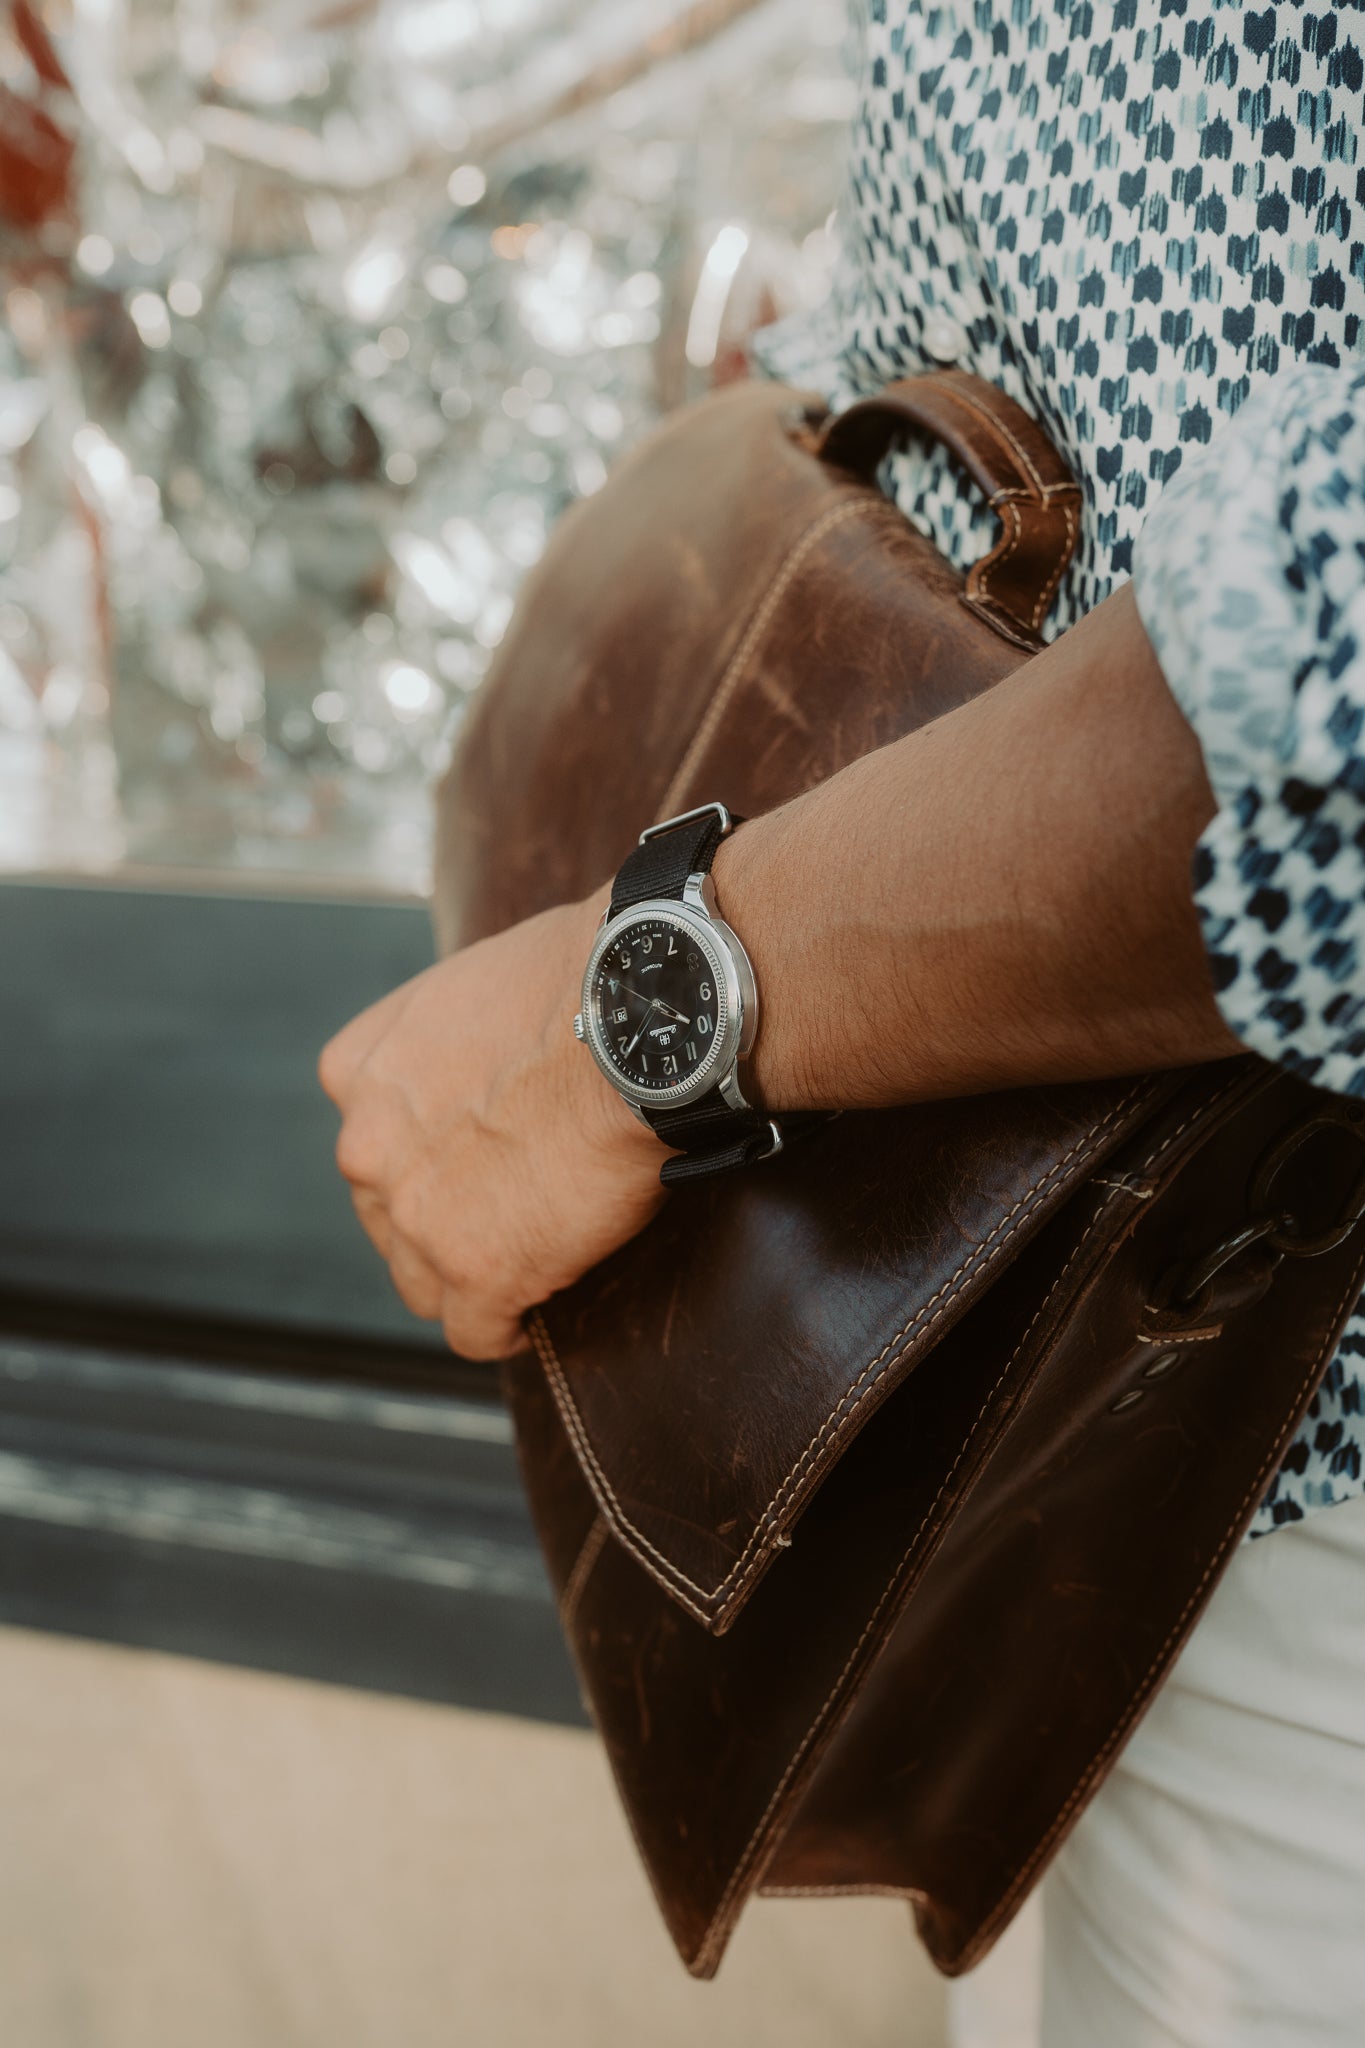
[[781, 622], [950, 1618], [986, 1590], [1065, 1572], [712, 1372], [616, 698], [1016, 468]]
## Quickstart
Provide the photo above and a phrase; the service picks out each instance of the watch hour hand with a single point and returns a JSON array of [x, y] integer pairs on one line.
[[641, 1032]]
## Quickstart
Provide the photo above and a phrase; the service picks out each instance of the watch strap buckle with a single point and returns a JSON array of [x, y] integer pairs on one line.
[[670, 852], [718, 811]]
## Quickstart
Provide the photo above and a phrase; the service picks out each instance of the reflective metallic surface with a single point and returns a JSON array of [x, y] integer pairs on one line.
[[313, 321]]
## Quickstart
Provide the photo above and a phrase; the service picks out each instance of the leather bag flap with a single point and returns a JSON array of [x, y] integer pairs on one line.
[[708, 1386]]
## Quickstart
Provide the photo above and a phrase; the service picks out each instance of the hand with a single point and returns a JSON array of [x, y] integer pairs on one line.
[[644, 1026], [489, 1160], [654, 1003]]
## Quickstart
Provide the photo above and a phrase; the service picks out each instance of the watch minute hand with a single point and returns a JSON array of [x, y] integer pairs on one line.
[[641, 1032], [654, 1003]]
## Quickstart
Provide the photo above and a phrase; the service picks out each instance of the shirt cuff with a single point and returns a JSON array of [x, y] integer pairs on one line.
[[1249, 576]]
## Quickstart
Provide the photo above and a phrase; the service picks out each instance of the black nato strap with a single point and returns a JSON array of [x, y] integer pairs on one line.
[[712, 1136], [662, 862]]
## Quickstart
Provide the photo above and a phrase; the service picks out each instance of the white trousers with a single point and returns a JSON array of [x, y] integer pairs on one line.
[[1213, 1894]]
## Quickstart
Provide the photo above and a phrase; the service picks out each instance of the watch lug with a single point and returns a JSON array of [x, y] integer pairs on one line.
[[700, 891], [731, 1092]]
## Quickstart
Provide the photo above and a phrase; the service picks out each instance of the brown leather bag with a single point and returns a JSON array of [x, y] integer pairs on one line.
[[880, 1484]]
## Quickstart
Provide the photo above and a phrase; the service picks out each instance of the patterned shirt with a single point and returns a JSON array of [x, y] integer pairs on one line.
[[1145, 219]]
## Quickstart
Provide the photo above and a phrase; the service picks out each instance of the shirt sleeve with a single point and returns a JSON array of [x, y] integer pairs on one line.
[[1249, 576]]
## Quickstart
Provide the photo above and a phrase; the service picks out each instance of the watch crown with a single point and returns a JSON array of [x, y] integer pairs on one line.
[[579, 1030]]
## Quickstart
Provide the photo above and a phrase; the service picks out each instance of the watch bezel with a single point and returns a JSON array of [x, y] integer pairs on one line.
[[735, 1003]]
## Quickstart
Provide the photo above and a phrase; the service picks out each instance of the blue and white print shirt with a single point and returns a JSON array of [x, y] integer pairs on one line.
[[1145, 220]]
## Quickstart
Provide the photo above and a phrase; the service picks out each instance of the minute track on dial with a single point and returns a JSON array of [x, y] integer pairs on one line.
[[658, 1005]]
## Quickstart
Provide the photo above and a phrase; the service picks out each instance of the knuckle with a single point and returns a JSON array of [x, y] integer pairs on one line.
[[417, 1287], [336, 1066], [456, 1329], [479, 1333], [410, 1213], [361, 1150], [374, 1219], [422, 1301]]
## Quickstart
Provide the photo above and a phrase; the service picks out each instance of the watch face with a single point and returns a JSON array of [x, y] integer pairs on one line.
[[656, 1006]]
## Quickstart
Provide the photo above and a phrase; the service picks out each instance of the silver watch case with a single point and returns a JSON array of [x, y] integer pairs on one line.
[[736, 1008]]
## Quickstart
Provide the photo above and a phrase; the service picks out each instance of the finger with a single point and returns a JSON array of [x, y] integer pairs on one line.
[[476, 1331], [420, 1287], [374, 1219]]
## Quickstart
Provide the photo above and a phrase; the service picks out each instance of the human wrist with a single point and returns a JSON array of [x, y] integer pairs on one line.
[[848, 979], [753, 874]]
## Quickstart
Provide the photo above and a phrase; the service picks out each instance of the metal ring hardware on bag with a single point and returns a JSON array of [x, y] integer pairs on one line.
[[1277, 1230]]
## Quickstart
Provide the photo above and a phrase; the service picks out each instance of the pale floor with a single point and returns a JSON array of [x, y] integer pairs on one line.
[[200, 1857]]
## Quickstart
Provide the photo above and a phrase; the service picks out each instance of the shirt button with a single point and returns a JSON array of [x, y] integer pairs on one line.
[[944, 340]]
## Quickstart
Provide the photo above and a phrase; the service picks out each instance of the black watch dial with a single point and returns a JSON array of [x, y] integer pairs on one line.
[[657, 1005]]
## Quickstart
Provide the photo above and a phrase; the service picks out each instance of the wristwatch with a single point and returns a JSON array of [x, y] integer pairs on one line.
[[670, 1007]]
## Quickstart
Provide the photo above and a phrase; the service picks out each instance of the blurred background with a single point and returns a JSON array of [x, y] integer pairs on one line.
[[314, 319]]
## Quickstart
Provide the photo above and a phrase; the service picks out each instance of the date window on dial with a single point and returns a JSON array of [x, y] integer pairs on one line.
[[618, 1017]]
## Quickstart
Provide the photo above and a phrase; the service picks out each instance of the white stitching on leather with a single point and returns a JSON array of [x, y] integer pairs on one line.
[[994, 425], [666, 1574], [715, 1932], [671, 1574], [738, 1874], [1004, 1905], [714, 1598], [980, 574], [1006, 504], [847, 508], [1040, 610]]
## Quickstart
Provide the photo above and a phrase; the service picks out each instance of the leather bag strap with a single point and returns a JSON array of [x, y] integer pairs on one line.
[[1015, 466]]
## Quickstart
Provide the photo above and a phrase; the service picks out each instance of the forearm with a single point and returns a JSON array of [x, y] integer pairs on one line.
[[1000, 899]]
